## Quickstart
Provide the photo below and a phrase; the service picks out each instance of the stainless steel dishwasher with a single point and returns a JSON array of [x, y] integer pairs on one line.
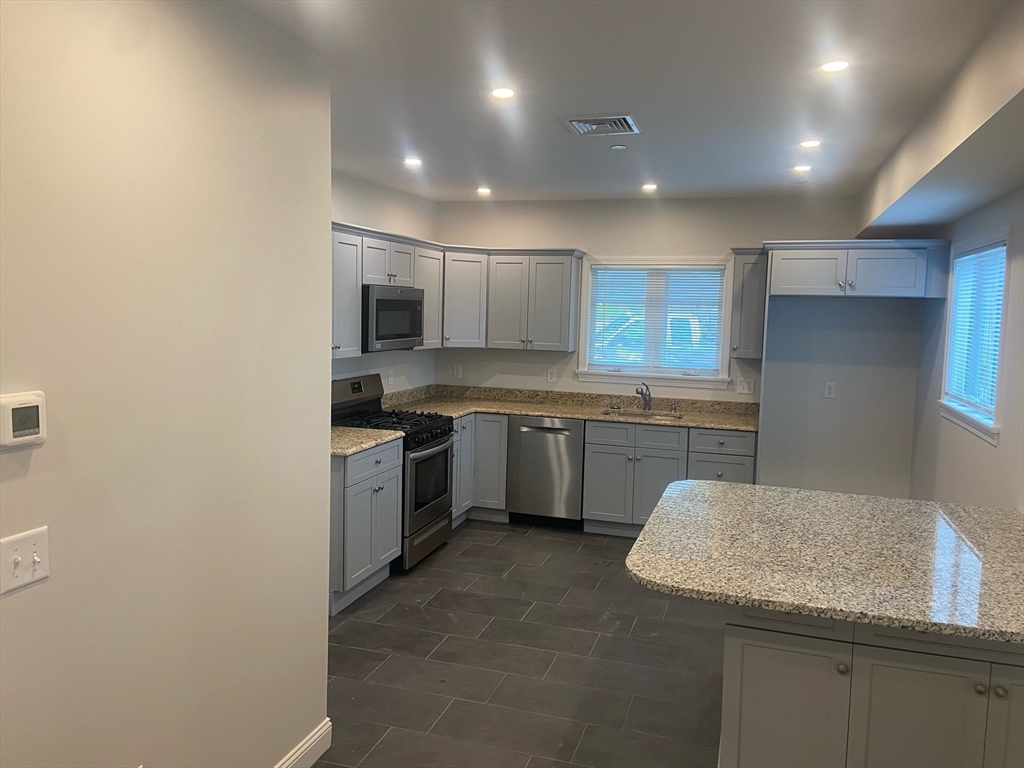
[[545, 467]]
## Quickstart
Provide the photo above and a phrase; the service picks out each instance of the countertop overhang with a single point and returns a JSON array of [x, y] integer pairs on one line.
[[926, 566]]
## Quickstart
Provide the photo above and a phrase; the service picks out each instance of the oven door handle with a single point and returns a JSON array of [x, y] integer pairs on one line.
[[427, 453]]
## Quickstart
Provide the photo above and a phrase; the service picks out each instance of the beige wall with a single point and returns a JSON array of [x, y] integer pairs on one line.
[[950, 463], [365, 204], [165, 280], [656, 227]]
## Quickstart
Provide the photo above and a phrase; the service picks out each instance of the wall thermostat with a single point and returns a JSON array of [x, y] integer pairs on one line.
[[22, 419]]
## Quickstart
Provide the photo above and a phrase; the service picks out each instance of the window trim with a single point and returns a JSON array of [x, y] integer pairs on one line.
[[663, 379], [949, 410]]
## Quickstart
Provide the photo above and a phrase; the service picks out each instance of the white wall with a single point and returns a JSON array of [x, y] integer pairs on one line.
[[365, 204], [860, 441], [409, 368], [165, 280], [655, 227], [950, 463]]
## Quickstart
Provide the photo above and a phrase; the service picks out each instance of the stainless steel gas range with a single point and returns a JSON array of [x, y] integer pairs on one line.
[[428, 443]]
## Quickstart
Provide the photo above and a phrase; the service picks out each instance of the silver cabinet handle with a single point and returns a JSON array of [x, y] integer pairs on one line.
[[734, 347], [376, 461], [335, 346], [629, 458], [522, 341], [1001, 692], [463, 427], [841, 283], [721, 442], [719, 474], [530, 340], [849, 283], [980, 689], [447, 338], [842, 669], [638, 457]]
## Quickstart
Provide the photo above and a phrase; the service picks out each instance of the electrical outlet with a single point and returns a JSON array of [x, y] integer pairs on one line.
[[391, 376], [457, 371], [745, 386], [830, 390], [24, 559], [552, 375]]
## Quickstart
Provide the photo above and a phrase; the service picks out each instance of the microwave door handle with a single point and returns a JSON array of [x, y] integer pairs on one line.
[[426, 454]]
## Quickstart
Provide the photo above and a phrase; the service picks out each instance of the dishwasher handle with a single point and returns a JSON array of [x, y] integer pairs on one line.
[[547, 430]]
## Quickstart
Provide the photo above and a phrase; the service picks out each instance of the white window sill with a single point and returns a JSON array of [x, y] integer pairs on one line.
[[663, 379], [987, 432]]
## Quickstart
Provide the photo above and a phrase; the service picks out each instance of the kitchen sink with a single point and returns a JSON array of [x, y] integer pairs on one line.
[[641, 414]]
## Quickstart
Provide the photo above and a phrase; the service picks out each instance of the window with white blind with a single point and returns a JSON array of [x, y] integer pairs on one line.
[[666, 321], [973, 338]]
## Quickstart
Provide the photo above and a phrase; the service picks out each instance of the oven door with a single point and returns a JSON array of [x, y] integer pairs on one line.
[[428, 485], [392, 318]]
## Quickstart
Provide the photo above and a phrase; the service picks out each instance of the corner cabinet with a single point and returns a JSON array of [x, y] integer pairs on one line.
[[346, 267], [465, 300], [533, 301], [428, 274]]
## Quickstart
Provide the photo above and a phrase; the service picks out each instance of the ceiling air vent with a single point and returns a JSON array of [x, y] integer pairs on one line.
[[616, 125]]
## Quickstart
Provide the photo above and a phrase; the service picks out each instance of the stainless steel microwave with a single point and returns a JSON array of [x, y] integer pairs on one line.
[[392, 318]]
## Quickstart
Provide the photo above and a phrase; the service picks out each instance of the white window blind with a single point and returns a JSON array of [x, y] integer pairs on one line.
[[662, 320], [975, 321]]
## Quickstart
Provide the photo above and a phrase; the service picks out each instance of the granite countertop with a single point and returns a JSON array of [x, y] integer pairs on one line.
[[709, 419], [919, 565], [348, 440]]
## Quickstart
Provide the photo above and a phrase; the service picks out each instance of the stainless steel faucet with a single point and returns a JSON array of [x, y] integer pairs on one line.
[[645, 394]]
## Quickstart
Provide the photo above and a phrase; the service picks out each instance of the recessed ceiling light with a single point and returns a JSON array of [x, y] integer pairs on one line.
[[617, 146], [835, 66], [810, 144], [649, 187], [413, 162], [801, 168], [503, 93], [483, 191]]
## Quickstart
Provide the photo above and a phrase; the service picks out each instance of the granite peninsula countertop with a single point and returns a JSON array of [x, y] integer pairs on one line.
[[348, 440], [927, 566]]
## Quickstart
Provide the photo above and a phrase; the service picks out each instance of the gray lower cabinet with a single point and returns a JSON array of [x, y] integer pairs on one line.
[[1004, 733], [915, 709], [456, 468], [373, 525], [467, 428], [608, 483], [653, 470], [785, 700], [730, 469], [490, 455]]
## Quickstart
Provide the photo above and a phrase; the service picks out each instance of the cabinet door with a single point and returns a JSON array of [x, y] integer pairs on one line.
[[358, 531], [387, 517], [915, 709], [401, 265], [809, 273], [608, 483], [550, 288], [729, 469], [347, 296], [337, 577], [507, 301], [1004, 738], [490, 454], [456, 475], [748, 294], [376, 258], [429, 275], [465, 300], [466, 462], [887, 272], [652, 472], [785, 700]]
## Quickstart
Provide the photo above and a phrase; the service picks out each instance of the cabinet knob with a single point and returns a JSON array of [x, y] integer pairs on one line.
[[522, 341], [719, 474], [463, 427], [1001, 692], [530, 340], [629, 458], [734, 347], [638, 457], [981, 689], [843, 669], [849, 283], [721, 442], [376, 461], [841, 283], [447, 338], [335, 346]]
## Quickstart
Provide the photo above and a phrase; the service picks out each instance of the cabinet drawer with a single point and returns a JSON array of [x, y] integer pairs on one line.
[[792, 623], [730, 469], [611, 433], [722, 441], [364, 464], [667, 438], [941, 645]]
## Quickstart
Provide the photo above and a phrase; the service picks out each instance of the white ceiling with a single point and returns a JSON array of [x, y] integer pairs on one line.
[[722, 90]]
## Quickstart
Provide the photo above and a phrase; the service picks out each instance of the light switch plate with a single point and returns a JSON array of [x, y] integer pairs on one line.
[[830, 390], [457, 371], [745, 386], [18, 555], [552, 375]]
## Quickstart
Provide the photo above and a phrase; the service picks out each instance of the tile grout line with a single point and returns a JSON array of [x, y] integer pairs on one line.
[[375, 745], [545, 675], [431, 728], [585, 726], [484, 629], [496, 688]]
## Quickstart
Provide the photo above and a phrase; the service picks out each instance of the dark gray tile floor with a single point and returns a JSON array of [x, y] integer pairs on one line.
[[524, 646]]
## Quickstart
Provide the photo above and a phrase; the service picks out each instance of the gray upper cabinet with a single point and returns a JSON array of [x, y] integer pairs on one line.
[[553, 303], [376, 262], [402, 265], [750, 274], [1004, 737], [490, 457], [785, 700], [428, 274], [508, 301], [347, 299], [608, 483], [465, 300], [886, 272], [653, 470], [916, 709], [809, 273]]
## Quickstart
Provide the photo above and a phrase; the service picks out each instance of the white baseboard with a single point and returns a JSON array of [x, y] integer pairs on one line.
[[308, 751], [493, 515]]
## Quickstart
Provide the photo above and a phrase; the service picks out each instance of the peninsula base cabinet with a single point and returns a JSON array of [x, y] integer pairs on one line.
[[795, 700], [462, 465], [489, 442]]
